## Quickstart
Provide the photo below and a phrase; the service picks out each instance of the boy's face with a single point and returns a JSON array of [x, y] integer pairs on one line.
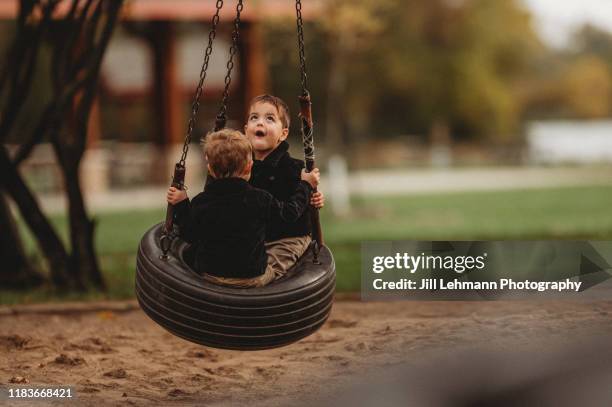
[[264, 129]]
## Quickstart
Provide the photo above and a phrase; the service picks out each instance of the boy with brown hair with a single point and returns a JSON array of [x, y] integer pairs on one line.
[[275, 171], [227, 222]]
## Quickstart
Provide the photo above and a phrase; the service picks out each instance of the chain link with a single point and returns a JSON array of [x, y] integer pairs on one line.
[[302, 53], [195, 106], [221, 116], [307, 131]]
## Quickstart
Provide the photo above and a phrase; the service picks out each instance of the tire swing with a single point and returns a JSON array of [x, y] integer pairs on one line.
[[179, 300]]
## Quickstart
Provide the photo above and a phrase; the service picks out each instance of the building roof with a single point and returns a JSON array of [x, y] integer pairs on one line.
[[193, 9]]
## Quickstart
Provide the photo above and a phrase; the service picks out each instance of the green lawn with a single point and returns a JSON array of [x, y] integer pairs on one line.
[[564, 213]]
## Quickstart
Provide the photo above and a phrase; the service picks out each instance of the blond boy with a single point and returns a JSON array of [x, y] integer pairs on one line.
[[227, 222]]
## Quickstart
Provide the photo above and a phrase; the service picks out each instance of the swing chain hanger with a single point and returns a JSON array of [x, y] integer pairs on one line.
[[221, 116], [301, 48], [195, 106]]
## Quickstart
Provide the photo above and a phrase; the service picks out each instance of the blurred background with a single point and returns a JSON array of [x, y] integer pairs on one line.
[[441, 119]]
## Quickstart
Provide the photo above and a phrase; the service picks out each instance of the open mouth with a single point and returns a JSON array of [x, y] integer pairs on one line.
[[260, 133]]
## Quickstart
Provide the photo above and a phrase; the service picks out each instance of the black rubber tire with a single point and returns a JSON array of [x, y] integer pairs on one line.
[[278, 314]]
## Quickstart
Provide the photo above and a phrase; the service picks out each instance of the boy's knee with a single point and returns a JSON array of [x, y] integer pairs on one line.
[[284, 253]]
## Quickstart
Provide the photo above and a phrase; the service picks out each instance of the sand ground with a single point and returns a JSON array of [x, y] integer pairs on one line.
[[112, 354]]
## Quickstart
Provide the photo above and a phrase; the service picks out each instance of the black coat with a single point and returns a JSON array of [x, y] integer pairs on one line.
[[227, 225], [279, 174]]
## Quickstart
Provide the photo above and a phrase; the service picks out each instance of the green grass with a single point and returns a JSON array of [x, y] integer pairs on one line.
[[563, 213]]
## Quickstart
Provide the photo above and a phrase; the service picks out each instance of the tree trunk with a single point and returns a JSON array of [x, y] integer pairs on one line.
[[47, 239], [78, 40], [69, 145], [84, 262], [16, 271]]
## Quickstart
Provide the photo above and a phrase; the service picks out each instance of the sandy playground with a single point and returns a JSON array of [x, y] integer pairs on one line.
[[112, 354]]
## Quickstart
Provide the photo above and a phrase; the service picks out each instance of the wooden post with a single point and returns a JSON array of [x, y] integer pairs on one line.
[[254, 73], [95, 168], [167, 101]]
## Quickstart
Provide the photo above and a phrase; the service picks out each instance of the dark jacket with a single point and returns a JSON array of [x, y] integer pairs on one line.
[[279, 174], [227, 225]]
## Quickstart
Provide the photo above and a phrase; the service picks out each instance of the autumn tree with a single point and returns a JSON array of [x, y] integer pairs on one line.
[[586, 88], [574, 82], [397, 67]]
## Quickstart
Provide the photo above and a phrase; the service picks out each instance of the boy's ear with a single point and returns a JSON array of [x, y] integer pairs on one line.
[[210, 171], [284, 134], [248, 167]]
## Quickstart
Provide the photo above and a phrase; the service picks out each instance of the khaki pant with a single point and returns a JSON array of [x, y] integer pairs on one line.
[[282, 255]]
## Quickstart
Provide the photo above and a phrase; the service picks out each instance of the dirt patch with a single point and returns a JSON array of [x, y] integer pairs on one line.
[[117, 374], [13, 341], [123, 358], [64, 359]]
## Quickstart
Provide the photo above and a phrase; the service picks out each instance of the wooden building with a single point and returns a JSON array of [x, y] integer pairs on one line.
[[154, 61]]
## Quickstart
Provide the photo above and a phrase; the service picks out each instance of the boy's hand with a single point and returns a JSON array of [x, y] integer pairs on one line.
[[311, 177], [175, 195], [317, 200]]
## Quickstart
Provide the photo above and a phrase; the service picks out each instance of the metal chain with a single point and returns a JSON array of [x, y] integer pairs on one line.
[[221, 116], [302, 53], [307, 131], [195, 106], [309, 150]]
